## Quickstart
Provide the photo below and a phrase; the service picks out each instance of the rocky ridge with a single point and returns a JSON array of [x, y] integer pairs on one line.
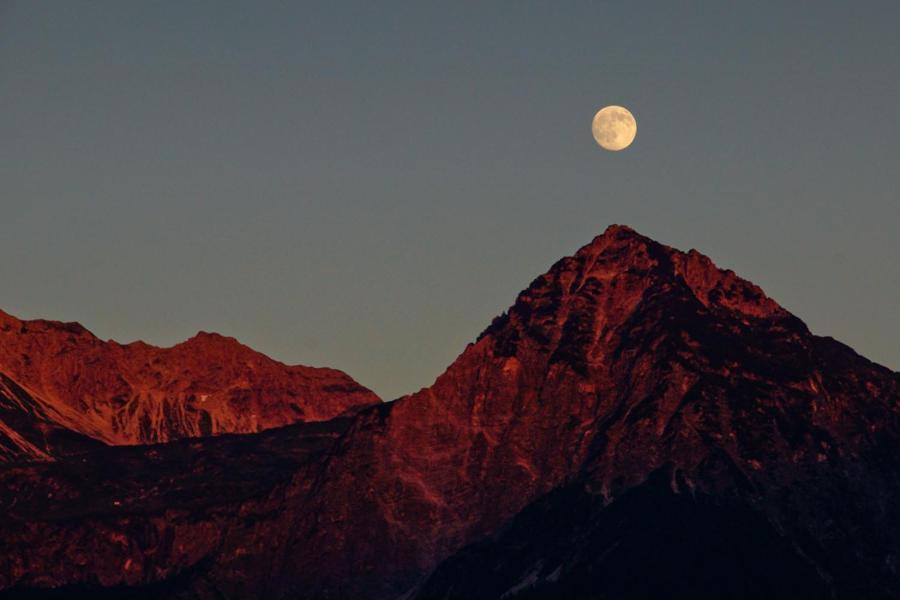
[[66, 378]]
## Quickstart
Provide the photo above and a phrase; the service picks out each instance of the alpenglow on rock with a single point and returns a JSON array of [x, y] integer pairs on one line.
[[60, 378], [637, 416]]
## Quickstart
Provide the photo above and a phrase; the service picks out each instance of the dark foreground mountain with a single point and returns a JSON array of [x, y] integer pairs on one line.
[[639, 424]]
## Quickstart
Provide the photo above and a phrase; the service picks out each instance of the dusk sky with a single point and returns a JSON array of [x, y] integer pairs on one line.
[[366, 185]]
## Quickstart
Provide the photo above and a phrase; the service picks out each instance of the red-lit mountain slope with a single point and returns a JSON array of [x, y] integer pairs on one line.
[[66, 378]]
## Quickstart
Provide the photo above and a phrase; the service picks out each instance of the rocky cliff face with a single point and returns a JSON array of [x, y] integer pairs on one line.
[[28, 431], [62, 375], [630, 378]]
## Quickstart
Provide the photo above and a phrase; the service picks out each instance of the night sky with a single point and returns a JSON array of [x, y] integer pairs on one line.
[[365, 185]]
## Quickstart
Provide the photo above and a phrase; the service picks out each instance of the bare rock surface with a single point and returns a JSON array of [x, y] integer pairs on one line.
[[67, 378]]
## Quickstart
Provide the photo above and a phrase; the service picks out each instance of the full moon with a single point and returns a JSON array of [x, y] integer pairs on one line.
[[614, 127]]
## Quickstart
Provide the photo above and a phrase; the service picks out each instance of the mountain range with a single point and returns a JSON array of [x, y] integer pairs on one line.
[[639, 423], [64, 386]]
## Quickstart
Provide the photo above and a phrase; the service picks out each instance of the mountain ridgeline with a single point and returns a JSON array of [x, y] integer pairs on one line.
[[61, 387], [640, 423]]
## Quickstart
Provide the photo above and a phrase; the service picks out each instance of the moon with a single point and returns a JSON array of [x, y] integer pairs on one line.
[[614, 127]]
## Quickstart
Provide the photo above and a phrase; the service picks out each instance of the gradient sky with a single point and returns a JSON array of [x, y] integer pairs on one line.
[[365, 185]]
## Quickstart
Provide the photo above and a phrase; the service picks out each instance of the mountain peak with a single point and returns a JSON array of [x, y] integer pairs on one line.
[[9, 322], [615, 234], [620, 230], [212, 340], [585, 297], [621, 247]]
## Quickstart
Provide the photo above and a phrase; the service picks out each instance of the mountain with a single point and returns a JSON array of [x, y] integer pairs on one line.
[[57, 380], [639, 423]]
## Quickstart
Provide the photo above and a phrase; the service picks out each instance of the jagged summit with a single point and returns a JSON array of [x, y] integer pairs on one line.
[[584, 299], [8, 323], [210, 338], [625, 248]]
